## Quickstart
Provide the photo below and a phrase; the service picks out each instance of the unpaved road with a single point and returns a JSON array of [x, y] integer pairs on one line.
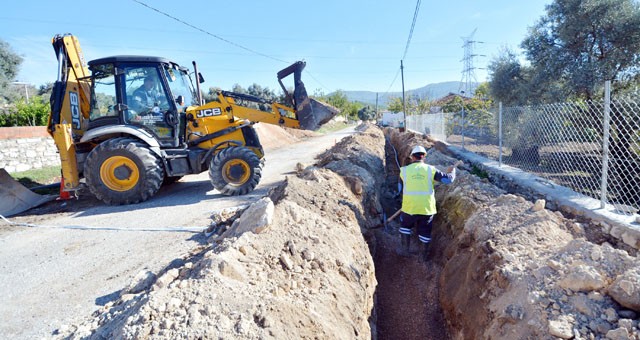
[[50, 277]]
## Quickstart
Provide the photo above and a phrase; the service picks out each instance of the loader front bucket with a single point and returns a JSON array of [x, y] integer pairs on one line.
[[15, 198], [311, 113]]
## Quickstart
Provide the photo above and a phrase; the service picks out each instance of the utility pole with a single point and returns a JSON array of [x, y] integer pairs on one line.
[[26, 88], [462, 93], [404, 109], [377, 106], [468, 70]]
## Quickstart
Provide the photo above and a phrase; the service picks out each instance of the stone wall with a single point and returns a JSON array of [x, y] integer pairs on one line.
[[26, 147]]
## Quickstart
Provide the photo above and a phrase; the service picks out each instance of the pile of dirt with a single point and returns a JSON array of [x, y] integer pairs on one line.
[[273, 136], [300, 264], [293, 265]]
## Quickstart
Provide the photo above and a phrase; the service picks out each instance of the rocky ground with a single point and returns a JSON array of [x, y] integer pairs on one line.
[[314, 260]]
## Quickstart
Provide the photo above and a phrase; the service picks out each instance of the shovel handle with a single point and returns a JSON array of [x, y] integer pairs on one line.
[[394, 215]]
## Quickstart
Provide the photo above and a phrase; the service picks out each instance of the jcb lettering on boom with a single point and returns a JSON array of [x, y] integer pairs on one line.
[[75, 109], [209, 112]]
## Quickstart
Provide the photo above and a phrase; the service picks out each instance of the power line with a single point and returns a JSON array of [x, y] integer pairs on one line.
[[392, 82], [222, 39], [413, 24], [406, 48], [209, 33]]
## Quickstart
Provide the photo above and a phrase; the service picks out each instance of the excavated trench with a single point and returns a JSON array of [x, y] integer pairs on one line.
[[315, 260], [407, 305]]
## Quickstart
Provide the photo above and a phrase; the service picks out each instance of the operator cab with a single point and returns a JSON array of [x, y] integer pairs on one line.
[[147, 93]]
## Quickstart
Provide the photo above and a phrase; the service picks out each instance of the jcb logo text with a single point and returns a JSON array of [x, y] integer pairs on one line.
[[209, 112]]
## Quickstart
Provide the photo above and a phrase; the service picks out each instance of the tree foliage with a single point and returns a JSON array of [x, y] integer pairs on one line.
[[414, 105], [395, 105], [508, 82], [367, 113], [579, 44], [32, 113], [339, 100], [9, 68]]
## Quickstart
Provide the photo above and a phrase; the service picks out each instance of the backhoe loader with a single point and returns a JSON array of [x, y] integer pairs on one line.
[[128, 124]]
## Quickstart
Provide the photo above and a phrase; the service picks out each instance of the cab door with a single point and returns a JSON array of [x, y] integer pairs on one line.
[[148, 102]]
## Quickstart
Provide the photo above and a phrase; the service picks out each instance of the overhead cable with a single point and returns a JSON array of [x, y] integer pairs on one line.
[[209, 33], [406, 48], [413, 24]]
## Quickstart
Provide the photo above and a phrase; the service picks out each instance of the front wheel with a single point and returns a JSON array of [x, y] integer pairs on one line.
[[235, 171], [123, 171]]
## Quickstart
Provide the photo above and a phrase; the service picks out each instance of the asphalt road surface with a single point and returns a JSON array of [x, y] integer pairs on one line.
[[52, 276]]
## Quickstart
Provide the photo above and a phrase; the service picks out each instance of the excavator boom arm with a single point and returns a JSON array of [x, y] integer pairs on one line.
[[69, 105], [305, 113], [278, 115]]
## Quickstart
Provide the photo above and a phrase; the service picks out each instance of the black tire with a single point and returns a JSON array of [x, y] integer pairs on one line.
[[123, 171], [235, 171]]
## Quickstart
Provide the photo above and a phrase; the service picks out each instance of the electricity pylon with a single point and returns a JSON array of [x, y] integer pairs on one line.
[[468, 70]]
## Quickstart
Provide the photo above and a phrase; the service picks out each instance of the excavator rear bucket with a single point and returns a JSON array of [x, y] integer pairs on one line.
[[311, 113], [15, 198]]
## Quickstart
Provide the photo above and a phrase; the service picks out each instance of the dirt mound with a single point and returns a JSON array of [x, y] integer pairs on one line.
[[294, 265], [273, 136]]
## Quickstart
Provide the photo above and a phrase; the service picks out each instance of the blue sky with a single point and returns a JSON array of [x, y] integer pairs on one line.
[[348, 45]]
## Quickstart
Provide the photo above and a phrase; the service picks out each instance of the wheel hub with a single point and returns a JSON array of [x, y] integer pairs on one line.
[[237, 172], [122, 172], [119, 173]]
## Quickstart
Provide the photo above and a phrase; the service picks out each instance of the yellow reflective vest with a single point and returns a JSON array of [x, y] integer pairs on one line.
[[418, 196]]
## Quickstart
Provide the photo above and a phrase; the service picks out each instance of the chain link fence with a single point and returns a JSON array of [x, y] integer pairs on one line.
[[592, 147]]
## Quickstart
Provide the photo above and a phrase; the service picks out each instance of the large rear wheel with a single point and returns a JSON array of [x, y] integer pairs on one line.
[[235, 171], [123, 171]]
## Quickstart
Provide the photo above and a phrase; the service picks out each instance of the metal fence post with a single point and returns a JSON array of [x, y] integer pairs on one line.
[[463, 124], [444, 128], [605, 143], [500, 134]]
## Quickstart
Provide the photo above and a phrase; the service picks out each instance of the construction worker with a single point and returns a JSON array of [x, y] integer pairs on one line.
[[146, 96], [418, 199]]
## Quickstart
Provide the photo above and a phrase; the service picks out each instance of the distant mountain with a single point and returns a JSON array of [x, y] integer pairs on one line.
[[431, 91]]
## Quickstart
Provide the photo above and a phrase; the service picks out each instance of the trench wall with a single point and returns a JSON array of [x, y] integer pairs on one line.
[[26, 148]]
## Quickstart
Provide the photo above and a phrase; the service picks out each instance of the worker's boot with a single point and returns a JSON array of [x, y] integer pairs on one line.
[[426, 251], [403, 248]]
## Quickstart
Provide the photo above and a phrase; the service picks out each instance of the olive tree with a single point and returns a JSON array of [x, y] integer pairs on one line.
[[579, 44], [9, 68]]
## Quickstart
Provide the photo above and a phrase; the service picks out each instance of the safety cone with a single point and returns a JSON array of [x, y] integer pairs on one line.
[[64, 195]]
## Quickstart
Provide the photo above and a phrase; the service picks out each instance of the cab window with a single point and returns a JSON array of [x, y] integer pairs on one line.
[[146, 100], [103, 96]]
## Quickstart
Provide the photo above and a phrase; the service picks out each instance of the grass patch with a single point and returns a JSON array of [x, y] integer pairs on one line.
[[479, 172], [38, 177]]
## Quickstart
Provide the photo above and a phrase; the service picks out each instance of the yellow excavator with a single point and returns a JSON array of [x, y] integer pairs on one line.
[[128, 124]]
